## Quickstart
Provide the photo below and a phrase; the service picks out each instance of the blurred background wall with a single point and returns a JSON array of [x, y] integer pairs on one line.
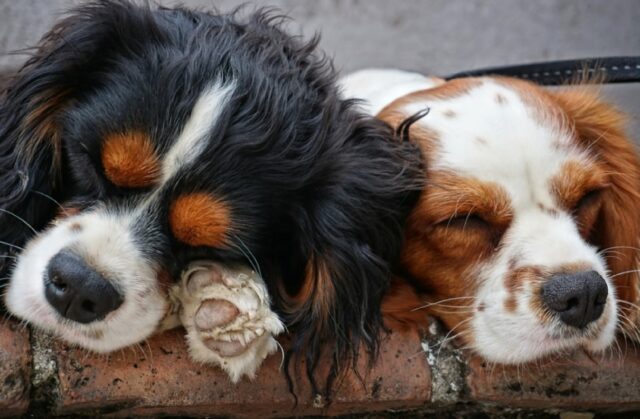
[[430, 36]]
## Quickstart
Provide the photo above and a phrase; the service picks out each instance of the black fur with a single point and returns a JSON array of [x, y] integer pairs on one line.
[[312, 180]]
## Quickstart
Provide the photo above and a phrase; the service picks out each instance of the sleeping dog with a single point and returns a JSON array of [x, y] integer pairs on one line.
[[149, 157], [524, 241]]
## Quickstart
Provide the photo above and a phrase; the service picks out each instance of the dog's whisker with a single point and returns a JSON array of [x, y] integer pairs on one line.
[[11, 245], [248, 254], [446, 339], [625, 273], [16, 216], [52, 199], [446, 300], [629, 303], [621, 247]]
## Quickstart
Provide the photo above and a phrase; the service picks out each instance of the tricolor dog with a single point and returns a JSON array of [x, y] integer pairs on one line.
[[164, 163]]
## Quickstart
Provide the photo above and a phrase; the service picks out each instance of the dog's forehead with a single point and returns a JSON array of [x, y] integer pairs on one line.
[[500, 133]]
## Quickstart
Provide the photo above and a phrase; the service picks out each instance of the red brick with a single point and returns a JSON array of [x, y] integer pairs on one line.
[[610, 382], [159, 378], [15, 369]]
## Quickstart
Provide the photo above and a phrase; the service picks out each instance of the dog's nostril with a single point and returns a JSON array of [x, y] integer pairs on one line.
[[78, 292], [572, 303], [59, 283], [88, 306], [577, 298]]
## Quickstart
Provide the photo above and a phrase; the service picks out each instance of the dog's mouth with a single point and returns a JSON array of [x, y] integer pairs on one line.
[[521, 339], [560, 332]]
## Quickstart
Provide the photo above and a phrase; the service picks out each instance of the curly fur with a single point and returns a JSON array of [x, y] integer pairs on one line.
[[318, 190]]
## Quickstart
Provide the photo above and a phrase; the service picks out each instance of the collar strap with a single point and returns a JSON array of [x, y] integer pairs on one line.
[[553, 73]]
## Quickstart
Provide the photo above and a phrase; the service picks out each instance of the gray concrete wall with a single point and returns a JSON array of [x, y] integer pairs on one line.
[[432, 36]]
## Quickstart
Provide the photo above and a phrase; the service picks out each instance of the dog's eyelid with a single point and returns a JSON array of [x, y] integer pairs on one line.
[[589, 196], [463, 221]]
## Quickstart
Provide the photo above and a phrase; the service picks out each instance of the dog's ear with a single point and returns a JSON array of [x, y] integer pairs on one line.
[[63, 67], [402, 307], [351, 238], [601, 128]]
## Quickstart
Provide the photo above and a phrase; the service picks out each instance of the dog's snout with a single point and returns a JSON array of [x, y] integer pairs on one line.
[[578, 298], [78, 292]]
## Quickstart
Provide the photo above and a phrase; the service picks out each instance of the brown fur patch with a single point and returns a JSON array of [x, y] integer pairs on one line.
[[76, 227], [514, 281], [317, 287], [538, 307], [66, 211], [200, 219], [130, 160], [40, 123], [574, 180], [401, 307], [451, 195], [443, 258]]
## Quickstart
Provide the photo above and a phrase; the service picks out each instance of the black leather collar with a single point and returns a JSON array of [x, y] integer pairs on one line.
[[553, 73]]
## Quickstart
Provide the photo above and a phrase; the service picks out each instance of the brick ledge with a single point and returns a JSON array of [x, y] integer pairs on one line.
[[40, 376]]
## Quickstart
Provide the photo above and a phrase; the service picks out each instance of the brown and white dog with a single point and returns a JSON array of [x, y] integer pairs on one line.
[[524, 240]]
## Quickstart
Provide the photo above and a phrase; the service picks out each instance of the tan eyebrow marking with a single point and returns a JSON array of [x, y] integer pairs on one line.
[[573, 180], [130, 160], [200, 219]]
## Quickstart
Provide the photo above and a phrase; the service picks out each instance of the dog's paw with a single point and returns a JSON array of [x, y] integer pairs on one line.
[[227, 316]]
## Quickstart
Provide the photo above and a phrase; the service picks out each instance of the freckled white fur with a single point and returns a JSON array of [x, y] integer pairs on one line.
[[506, 144]]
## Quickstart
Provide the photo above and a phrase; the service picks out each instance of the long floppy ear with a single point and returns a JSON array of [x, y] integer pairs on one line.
[[600, 127], [62, 68], [352, 235]]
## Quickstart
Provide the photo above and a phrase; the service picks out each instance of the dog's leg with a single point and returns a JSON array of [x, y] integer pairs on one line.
[[227, 316]]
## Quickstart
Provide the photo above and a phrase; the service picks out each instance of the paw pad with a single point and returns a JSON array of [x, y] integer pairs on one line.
[[215, 313], [227, 317]]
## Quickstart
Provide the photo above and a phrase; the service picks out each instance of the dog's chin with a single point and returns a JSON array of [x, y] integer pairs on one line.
[[143, 308], [104, 336], [536, 342], [118, 330]]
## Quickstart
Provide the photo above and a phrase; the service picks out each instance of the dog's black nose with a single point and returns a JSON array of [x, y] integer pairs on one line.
[[78, 292], [578, 298]]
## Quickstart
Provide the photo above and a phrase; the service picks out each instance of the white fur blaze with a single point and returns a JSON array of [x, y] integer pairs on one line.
[[227, 316]]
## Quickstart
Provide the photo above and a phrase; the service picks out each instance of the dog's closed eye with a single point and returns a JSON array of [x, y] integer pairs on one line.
[[468, 221]]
